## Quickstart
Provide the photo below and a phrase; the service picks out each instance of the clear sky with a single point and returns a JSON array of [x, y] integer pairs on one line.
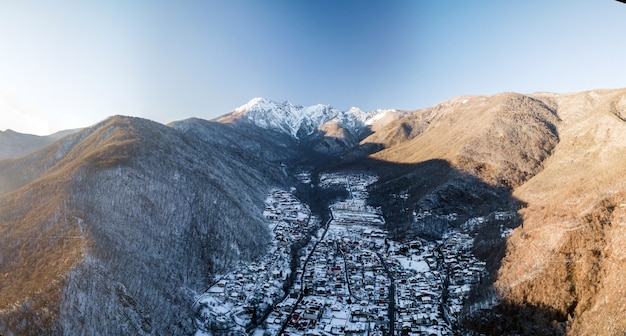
[[67, 64]]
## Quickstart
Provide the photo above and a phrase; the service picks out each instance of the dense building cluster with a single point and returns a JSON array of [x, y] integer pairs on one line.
[[349, 280], [240, 298]]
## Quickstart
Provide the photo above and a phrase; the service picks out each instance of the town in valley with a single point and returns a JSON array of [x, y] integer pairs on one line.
[[342, 276]]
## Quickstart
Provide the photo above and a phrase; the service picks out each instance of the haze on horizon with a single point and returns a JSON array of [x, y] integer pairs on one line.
[[71, 64]]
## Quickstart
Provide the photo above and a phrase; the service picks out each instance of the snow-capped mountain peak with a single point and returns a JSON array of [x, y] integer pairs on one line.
[[296, 120], [253, 103], [355, 110], [260, 104]]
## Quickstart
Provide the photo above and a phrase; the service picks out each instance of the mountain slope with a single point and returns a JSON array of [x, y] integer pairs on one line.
[[18, 172], [14, 144], [570, 252], [121, 230], [502, 139], [259, 143], [463, 156], [559, 155]]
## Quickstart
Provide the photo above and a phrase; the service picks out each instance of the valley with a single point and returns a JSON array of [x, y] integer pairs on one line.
[[477, 216], [349, 278]]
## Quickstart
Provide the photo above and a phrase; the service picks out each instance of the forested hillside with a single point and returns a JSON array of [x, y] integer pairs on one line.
[[115, 234]]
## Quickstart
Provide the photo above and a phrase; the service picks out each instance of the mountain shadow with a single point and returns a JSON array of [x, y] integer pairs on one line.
[[429, 199]]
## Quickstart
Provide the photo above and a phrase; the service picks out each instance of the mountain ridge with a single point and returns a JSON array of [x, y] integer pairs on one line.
[[14, 144], [299, 121], [127, 220]]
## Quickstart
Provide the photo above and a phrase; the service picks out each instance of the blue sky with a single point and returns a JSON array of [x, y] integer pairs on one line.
[[67, 64]]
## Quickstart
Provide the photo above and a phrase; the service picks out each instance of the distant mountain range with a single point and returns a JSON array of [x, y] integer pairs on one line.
[[14, 144], [320, 128], [112, 229], [301, 122]]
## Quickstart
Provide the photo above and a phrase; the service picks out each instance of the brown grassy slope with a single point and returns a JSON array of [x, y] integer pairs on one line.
[[569, 254], [41, 236], [332, 129], [41, 242], [502, 139], [17, 173], [565, 157]]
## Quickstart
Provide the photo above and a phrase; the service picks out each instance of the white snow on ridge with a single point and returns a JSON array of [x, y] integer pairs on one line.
[[377, 115], [299, 121], [257, 103]]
